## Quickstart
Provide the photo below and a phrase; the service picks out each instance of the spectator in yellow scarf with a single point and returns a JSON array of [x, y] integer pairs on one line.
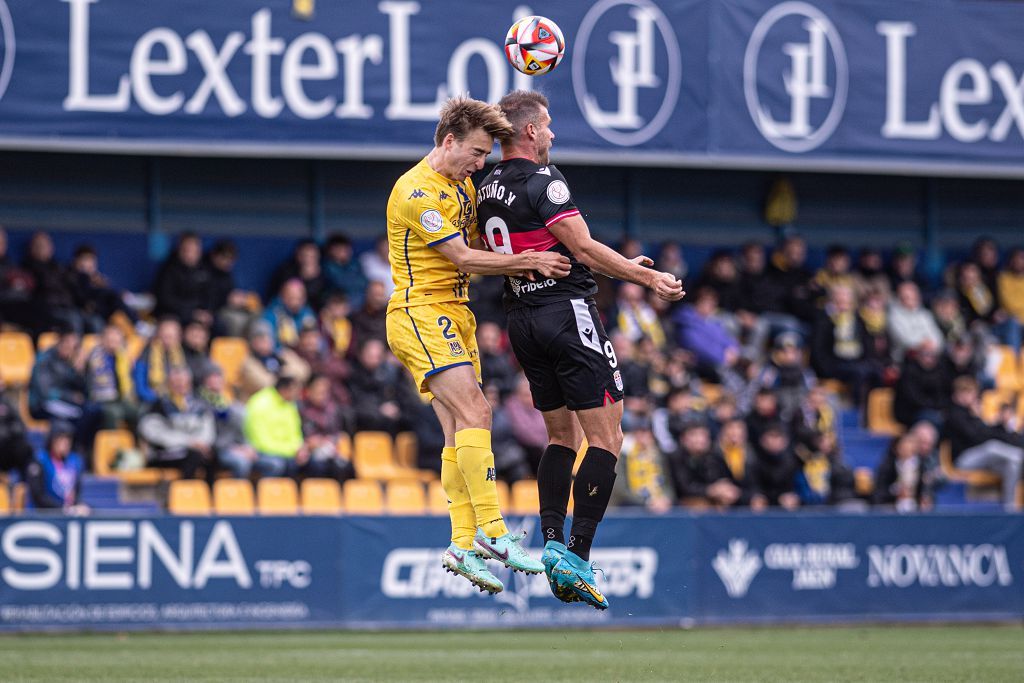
[[161, 353]]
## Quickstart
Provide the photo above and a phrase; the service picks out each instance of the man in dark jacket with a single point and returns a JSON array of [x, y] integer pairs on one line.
[[922, 392], [979, 446], [52, 304], [776, 469], [58, 389], [693, 472], [841, 347], [181, 428], [15, 450], [377, 386], [182, 285]]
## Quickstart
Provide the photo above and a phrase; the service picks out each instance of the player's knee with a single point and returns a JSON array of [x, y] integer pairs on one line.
[[473, 412]]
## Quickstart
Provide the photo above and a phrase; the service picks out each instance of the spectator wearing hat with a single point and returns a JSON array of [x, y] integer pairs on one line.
[[264, 364], [273, 427], [108, 373], [342, 270], [784, 374], [774, 477], [55, 475], [182, 283], [287, 313], [910, 324], [180, 428]]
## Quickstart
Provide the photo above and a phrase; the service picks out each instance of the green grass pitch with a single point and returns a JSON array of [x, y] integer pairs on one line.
[[893, 653]]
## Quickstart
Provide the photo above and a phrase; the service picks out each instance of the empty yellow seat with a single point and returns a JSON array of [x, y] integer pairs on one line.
[[405, 497], [16, 358], [189, 497], [437, 499], [880, 417], [525, 498], [233, 497], [229, 353], [373, 456], [277, 496], [321, 497], [1007, 368], [5, 500], [363, 497]]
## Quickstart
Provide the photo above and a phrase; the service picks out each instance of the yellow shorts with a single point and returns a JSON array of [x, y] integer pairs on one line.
[[433, 337]]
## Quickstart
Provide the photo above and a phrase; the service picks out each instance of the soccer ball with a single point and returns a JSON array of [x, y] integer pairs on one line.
[[534, 45]]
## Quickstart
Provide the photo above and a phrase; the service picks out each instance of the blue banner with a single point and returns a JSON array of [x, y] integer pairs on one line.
[[178, 573], [932, 86]]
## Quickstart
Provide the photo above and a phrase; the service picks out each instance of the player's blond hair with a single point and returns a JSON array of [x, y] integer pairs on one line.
[[462, 115], [522, 107]]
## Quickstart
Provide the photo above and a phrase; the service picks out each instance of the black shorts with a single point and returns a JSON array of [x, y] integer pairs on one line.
[[566, 355]]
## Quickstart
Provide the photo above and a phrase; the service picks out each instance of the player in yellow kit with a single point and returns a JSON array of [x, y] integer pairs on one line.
[[434, 246]]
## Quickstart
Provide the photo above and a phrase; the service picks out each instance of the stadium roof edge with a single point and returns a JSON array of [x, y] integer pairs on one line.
[[629, 158]]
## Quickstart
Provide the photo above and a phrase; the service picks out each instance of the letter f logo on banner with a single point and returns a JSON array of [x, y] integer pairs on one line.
[[644, 66], [805, 79], [7, 47]]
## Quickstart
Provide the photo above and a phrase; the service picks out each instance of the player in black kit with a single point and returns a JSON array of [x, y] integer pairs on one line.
[[557, 335]]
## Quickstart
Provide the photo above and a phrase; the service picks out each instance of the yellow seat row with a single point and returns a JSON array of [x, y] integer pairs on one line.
[[282, 496]]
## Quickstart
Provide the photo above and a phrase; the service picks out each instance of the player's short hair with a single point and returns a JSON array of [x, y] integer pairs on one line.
[[521, 107], [462, 115]]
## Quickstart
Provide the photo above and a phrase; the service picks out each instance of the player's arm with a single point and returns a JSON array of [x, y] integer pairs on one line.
[[548, 263], [572, 231]]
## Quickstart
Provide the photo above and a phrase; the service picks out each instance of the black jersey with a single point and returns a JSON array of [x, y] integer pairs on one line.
[[517, 202]]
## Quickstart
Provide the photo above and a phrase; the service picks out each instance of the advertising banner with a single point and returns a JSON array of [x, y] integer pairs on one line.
[[385, 572], [914, 85]]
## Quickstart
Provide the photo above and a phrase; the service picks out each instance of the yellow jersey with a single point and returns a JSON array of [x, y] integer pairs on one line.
[[426, 209]]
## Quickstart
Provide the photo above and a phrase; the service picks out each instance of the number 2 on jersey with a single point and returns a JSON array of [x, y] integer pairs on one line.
[[445, 323]]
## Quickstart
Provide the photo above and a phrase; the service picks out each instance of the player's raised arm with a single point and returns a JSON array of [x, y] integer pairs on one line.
[[548, 263], [572, 231]]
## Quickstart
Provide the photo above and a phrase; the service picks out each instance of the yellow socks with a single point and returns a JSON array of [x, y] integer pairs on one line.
[[476, 461], [460, 507]]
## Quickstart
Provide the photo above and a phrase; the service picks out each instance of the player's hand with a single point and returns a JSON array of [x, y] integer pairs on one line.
[[549, 264], [668, 287], [645, 261]]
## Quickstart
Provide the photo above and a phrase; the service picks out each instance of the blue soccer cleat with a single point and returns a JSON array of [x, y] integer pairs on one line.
[[507, 550], [553, 552], [575, 574], [468, 564]]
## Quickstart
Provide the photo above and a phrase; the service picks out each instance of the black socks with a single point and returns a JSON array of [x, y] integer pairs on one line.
[[591, 493], [554, 481]]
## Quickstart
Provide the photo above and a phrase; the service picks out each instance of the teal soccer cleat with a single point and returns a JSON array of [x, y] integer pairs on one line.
[[553, 552], [468, 564], [575, 574], [507, 550]]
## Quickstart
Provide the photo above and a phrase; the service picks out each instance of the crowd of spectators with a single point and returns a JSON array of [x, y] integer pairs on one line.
[[726, 402]]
